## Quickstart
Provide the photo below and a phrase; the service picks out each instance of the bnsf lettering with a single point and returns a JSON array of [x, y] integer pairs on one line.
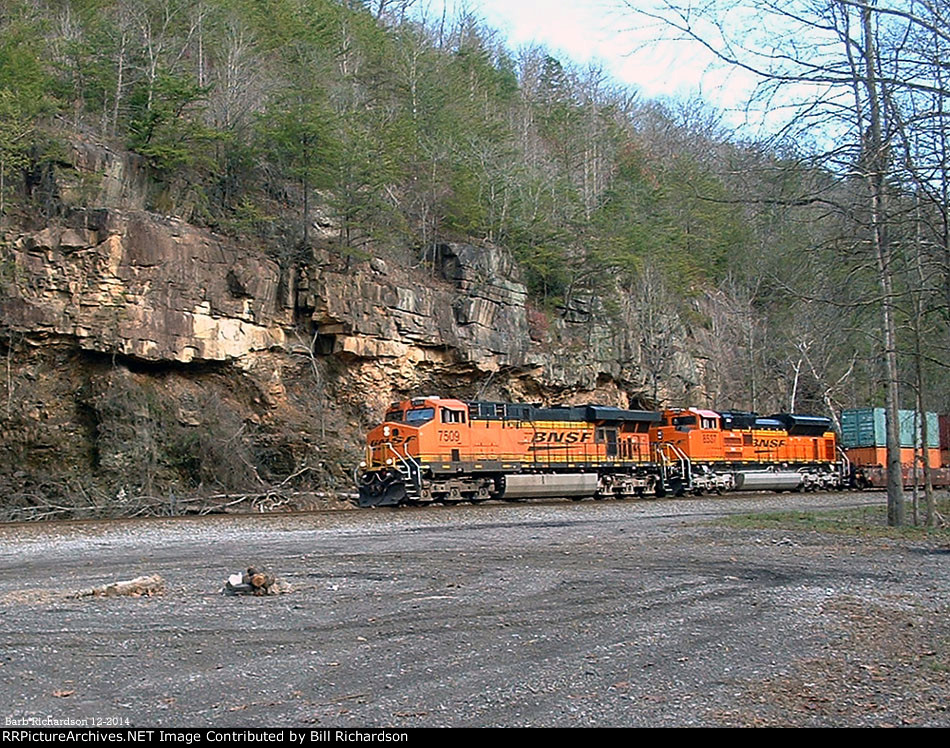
[[562, 437], [769, 443], [390, 440]]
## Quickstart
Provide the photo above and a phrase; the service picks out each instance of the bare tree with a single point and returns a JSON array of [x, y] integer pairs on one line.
[[839, 67], [656, 325]]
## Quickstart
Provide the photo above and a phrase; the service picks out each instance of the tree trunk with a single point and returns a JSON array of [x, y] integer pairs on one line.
[[875, 157], [930, 506]]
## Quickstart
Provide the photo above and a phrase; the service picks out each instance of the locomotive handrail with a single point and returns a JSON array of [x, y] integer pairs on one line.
[[679, 456], [845, 464], [687, 465], [411, 471], [367, 460]]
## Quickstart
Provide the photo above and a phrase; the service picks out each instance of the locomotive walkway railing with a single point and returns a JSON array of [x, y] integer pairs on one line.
[[679, 456], [407, 467]]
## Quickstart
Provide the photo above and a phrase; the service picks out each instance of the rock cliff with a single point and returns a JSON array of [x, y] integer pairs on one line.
[[138, 285], [145, 355]]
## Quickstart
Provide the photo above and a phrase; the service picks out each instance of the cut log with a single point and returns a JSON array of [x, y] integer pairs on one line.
[[145, 586]]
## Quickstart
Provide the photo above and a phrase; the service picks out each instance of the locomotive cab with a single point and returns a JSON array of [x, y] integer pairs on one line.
[[401, 449], [412, 429], [692, 432]]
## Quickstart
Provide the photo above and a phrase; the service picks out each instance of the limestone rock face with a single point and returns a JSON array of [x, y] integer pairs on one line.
[[146, 357], [470, 306], [143, 286], [157, 289]]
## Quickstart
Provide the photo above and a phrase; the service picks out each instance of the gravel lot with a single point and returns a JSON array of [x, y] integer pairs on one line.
[[571, 614]]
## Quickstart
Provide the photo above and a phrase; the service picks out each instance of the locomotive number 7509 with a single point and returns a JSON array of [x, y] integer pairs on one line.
[[449, 436]]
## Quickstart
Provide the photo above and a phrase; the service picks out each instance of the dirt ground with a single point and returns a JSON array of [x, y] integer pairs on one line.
[[571, 614]]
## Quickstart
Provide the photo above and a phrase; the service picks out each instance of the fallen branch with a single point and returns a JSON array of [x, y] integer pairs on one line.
[[146, 586]]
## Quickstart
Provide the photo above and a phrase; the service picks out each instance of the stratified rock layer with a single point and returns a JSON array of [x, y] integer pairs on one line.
[[135, 341], [138, 285]]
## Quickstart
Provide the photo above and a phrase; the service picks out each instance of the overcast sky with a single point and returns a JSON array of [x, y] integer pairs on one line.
[[604, 31]]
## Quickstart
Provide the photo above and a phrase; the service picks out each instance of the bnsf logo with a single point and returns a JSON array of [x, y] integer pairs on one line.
[[562, 437], [391, 440], [770, 443]]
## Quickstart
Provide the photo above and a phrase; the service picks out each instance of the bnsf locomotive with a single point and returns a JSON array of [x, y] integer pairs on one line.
[[702, 450], [435, 449]]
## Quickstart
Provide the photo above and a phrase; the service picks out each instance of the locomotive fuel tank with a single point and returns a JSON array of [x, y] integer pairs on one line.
[[546, 485], [764, 480]]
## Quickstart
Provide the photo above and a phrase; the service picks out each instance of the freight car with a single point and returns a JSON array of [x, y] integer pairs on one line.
[[432, 449], [864, 438]]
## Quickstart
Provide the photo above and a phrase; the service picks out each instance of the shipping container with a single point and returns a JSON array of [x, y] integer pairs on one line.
[[867, 427], [863, 427], [909, 420], [945, 432]]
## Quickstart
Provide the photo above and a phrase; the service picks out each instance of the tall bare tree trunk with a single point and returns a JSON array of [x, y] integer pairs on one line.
[[931, 507], [119, 81], [876, 158]]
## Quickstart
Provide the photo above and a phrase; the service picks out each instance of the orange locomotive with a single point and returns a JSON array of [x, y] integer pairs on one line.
[[435, 449], [702, 450]]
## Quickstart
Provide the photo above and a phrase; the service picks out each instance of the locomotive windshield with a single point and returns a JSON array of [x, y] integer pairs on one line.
[[419, 416], [414, 417]]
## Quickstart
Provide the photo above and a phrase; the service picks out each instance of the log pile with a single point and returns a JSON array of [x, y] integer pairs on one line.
[[254, 581]]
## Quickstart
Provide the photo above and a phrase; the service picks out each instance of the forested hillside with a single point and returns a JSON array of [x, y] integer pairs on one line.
[[354, 130]]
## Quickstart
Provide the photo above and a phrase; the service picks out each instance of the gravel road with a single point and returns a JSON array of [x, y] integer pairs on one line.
[[570, 614]]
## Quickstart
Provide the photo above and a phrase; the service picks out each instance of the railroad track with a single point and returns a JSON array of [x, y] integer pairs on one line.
[[813, 502]]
